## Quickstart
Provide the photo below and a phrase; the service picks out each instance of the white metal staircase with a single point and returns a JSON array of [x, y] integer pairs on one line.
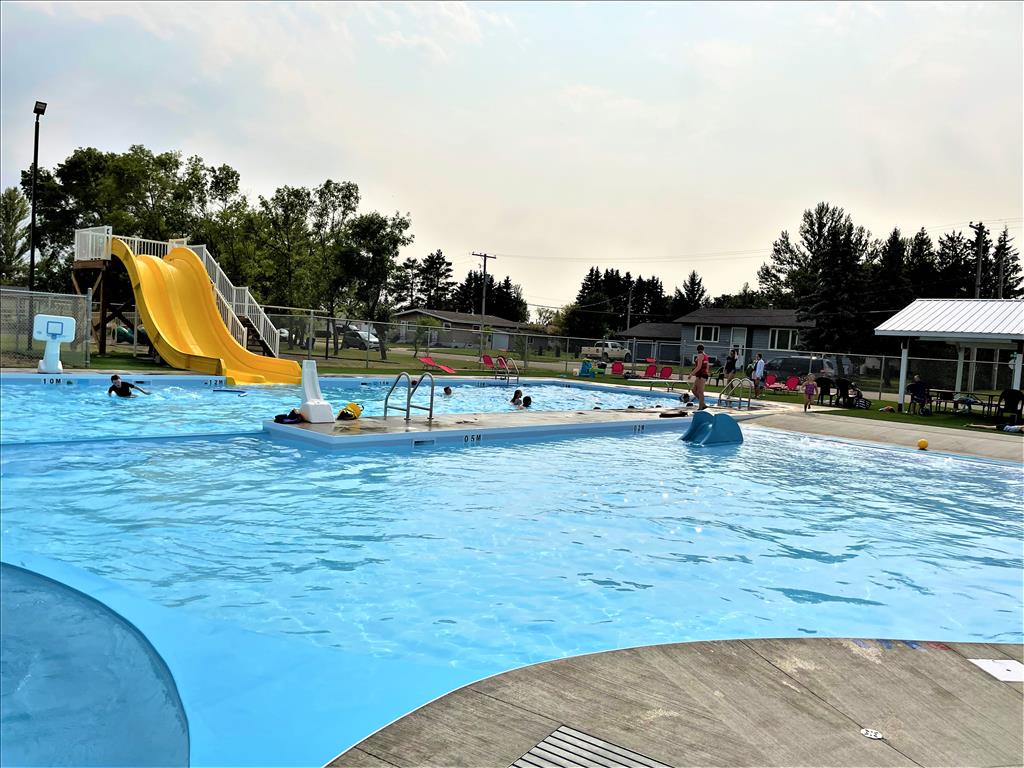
[[242, 314]]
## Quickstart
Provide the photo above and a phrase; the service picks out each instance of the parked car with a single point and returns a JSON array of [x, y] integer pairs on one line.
[[357, 339], [607, 350]]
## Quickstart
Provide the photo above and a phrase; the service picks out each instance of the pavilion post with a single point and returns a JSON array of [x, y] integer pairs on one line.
[[973, 369], [904, 351], [960, 352], [1017, 363]]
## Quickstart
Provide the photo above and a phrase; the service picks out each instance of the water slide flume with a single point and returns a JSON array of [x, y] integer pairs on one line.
[[175, 300]]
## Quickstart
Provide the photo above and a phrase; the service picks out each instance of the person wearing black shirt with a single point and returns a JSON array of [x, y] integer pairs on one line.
[[122, 388]]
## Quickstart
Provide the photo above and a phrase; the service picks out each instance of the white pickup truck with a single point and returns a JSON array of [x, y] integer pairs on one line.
[[608, 350]]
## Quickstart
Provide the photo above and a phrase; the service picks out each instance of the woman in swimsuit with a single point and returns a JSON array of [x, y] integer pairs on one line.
[[700, 373]]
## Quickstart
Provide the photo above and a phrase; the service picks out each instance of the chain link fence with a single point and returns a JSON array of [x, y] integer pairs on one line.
[[355, 342], [18, 309]]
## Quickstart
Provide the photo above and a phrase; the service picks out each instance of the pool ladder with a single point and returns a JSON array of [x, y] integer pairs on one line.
[[410, 390], [732, 390], [505, 373]]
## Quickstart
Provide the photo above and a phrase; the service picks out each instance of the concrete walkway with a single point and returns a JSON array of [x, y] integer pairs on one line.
[[989, 445], [800, 702]]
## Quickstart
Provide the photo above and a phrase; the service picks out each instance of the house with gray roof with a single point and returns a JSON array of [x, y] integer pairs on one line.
[[768, 331]]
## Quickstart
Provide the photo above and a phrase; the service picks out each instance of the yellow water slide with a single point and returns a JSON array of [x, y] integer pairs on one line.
[[176, 303]]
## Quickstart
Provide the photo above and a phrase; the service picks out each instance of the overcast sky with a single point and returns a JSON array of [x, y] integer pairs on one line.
[[656, 138]]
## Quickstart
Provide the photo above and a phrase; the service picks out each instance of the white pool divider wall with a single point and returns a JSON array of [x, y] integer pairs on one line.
[[314, 408], [53, 329]]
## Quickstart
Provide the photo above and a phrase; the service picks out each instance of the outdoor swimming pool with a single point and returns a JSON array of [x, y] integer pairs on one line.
[[32, 412], [346, 589]]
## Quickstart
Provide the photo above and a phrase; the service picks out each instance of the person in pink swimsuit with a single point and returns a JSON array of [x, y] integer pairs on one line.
[[810, 390]]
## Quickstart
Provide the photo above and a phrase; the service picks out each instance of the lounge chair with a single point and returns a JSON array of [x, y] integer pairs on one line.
[[429, 362], [792, 383], [650, 371], [666, 373], [618, 369], [1011, 403], [586, 370], [772, 382], [488, 364]]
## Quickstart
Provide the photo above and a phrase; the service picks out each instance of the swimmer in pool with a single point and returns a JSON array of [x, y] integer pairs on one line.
[[447, 392], [517, 398], [122, 388], [527, 402]]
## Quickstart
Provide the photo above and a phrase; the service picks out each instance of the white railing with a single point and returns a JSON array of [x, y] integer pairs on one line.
[[233, 302]]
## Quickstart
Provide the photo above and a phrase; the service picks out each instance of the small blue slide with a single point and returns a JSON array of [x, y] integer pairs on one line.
[[719, 429]]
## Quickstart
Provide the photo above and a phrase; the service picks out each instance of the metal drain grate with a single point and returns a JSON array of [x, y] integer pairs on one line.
[[569, 748]]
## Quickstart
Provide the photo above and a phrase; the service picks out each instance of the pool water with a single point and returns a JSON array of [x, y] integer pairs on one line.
[[499, 556], [304, 598], [35, 413]]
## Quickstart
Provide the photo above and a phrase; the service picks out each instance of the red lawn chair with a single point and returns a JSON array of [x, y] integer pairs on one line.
[[488, 363], [618, 368], [650, 371], [792, 383], [771, 381], [429, 362], [666, 372]]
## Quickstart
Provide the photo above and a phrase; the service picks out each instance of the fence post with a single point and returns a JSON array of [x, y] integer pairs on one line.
[[310, 337], [881, 377], [88, 324]]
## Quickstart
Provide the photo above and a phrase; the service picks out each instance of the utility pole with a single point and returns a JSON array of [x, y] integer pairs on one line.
[[629, 307], [485, 257], [978, 229]]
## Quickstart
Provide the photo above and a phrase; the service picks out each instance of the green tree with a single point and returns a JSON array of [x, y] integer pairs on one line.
[[791, 277], [1009, 279], [888, 284], [14, 236], [377, 240], [984, 274], [284, 239], [691, 297], [834, 305], [922, 271], [434, 280], [955, 261], [403, 289]]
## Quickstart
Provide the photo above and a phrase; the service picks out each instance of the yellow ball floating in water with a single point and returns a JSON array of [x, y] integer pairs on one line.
[[922, 444]]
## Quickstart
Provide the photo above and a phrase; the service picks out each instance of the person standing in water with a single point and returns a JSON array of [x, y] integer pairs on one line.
[[122, 388], [517, 398], [700, 373]]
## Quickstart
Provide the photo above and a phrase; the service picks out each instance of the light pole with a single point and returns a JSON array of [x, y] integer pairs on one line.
[[39, 110]]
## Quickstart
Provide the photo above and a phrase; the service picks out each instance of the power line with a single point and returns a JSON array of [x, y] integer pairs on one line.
[[729, 255]]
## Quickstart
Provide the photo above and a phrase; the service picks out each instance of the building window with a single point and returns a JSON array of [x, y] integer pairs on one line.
[[708, 333], [476, 327], [783, 338], [446, 325]]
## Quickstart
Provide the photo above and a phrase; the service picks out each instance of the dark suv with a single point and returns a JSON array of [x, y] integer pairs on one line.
[[784, 367]]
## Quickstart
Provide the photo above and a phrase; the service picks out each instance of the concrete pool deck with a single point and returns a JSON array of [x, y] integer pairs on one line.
[[724, 703], [988, 445]]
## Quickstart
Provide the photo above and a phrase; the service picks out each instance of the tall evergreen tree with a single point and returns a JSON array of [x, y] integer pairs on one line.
[[694, 293], [888, 284], [404, 288], [1006, 258], [434, 277], [835, 304], [955, 262], [922, 270], [981, 251]]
